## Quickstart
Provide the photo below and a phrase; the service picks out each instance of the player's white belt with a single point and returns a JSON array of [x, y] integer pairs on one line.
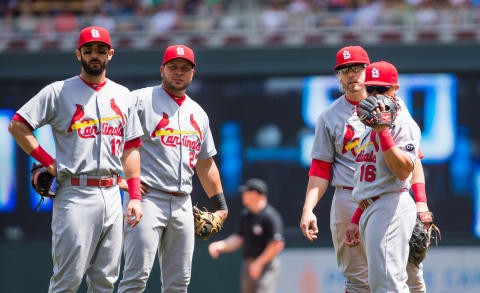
[[92, 180]]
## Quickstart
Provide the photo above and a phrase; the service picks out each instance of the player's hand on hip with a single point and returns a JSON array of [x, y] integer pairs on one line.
[[352, 235], [255, 269], [308, 225], [134, 212], [52, 169]]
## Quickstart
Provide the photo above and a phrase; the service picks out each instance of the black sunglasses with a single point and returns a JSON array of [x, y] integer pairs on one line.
[[355, 68], [377, 88]]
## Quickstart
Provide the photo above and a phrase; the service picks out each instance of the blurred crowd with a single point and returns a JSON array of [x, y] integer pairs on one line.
[[47, 18]]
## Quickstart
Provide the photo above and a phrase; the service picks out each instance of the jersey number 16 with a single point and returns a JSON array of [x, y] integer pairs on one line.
[[367, 173]]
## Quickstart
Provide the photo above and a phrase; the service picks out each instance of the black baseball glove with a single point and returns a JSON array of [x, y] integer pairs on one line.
[[42, 182], [366, 107], [206, 223], [421, 238]]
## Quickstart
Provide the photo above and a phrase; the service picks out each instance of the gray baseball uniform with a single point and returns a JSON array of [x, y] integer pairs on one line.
[[336, 140], [175, 138], [90, 129], [336, 136], [387, 223]]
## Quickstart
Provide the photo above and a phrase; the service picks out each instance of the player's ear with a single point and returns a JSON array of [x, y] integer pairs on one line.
[[162, 68], [78, 53], [395, 89], [110, 54]]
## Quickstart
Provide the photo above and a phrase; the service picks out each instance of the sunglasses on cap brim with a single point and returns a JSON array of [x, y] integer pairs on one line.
[[381, 89]]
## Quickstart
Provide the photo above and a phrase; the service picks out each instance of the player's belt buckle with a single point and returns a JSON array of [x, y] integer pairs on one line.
[[366, 202], [105, 182]]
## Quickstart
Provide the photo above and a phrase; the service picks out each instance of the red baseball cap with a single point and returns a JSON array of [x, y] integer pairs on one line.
[[94, 34], [179, 51], [381, 73], [351, 55]]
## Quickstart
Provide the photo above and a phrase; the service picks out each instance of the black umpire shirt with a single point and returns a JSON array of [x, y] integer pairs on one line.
[[259, 229]]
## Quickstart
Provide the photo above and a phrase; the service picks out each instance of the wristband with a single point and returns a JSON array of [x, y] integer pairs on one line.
[[419, 193], [134, 188], [219, 202], [386, 140], [42, 156], [356, 217]]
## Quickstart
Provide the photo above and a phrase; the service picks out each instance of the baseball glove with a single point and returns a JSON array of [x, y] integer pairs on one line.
[[42, 182], [366, 107], [421, 237], [206, 223]]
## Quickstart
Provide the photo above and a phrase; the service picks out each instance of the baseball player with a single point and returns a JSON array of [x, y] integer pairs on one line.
[[336, 140], [177, 140], [385, 160], [96, 131]]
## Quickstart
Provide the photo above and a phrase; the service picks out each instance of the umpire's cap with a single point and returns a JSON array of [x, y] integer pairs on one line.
[[255, 184], [351, 55], [94, 34]]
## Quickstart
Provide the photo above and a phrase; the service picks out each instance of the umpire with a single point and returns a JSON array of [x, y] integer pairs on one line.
[[261, 232]]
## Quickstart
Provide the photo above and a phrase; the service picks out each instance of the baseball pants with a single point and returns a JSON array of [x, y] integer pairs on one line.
[[166, 226], [386, 227], [267, 283], [352, 261], [86, 238]]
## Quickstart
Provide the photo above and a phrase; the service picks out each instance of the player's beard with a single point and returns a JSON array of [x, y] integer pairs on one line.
[[94, 71], [170, 86], [350, 88]]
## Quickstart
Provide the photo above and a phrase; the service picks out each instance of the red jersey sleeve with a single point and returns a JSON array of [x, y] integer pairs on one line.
[[320, 169]]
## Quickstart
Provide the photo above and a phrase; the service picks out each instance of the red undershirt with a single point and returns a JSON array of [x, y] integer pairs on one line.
[[178, 100], [351, 102], [95, 87]]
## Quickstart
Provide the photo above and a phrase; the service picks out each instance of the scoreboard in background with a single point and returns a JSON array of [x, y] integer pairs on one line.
[[7, 159], [431, 99]]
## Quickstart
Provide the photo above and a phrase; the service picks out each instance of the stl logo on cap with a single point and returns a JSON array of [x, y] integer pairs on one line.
[[180, 51], [346, 55], [95, 33], [375, 73]]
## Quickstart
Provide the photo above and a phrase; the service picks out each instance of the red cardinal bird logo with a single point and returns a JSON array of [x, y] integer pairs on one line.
[[372, 139], [117, 110], [77, 116], [163, 122], [195, 125], [347, 140]]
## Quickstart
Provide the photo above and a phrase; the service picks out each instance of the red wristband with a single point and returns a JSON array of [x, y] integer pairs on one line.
[[134, 188], [42, 156], [386, 140], [356, 217], [419, 192]]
